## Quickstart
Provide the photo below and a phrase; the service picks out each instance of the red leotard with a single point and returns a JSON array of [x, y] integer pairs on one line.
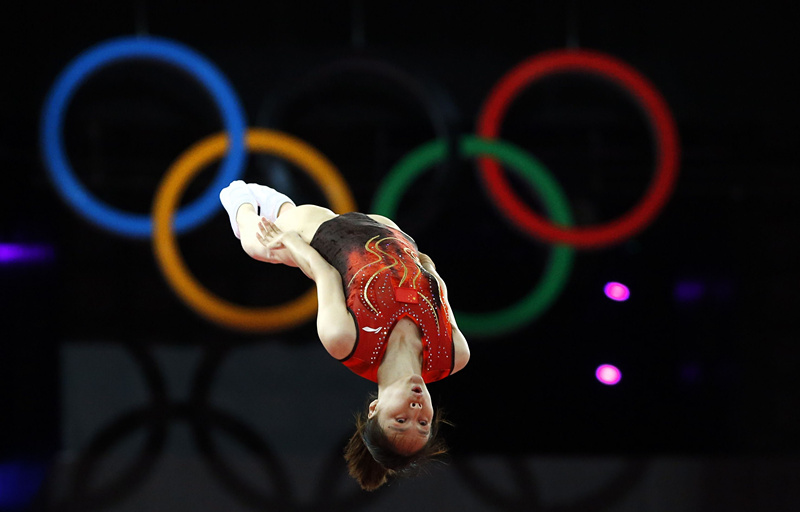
[[383, 282]]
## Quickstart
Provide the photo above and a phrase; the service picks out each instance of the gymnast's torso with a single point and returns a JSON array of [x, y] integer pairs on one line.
[[383, 281]]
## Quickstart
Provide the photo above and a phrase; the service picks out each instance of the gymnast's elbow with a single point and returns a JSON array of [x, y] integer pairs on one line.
[[337, 340], [461, 353]]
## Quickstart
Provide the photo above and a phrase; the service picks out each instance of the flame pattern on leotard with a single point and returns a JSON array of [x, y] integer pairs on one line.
[[373, 246], [375, 261]]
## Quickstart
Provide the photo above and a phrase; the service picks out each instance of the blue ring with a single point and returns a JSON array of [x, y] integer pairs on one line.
[[181, 56]]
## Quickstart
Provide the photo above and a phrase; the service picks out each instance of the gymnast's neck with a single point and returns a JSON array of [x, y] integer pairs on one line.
[[403, 356]]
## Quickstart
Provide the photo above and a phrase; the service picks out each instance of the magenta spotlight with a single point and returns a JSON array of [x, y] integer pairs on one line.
[[608, 374], [617, 291]]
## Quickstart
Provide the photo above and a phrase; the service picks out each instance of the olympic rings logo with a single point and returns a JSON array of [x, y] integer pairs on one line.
[[231, 145]]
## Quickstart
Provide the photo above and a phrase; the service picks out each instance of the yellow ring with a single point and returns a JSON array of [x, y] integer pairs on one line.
[[171, 189]]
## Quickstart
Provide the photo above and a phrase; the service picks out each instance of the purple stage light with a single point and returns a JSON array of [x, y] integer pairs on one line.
[[22, 253], [19, 484], [690, 372], [617, 291], [689, 291], [608, 374]]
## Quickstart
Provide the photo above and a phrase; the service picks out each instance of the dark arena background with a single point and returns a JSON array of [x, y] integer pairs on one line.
[[641, 224]]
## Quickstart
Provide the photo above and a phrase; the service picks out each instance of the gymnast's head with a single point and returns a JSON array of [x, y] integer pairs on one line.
[[396, 434]]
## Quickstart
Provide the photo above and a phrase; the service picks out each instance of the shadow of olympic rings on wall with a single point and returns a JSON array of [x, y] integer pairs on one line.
[[80, 490], [81, 495], [528, 498]]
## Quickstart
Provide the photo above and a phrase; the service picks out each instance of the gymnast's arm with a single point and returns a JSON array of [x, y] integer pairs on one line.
[[335, 326], [459, 341]]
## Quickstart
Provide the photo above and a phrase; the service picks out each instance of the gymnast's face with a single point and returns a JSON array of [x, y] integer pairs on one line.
[[405, 413]]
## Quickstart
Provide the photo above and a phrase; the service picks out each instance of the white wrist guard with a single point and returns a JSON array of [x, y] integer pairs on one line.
[[232, 197], [269, 200]]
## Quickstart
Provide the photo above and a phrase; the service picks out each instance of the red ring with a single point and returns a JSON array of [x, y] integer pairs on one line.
[[659, 116]]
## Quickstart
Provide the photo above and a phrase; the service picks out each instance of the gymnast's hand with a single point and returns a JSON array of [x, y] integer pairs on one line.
[[273, 238], [270, 235], [296, 250]]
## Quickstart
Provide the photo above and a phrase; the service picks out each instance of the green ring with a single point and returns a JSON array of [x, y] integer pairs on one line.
[[397, 181]]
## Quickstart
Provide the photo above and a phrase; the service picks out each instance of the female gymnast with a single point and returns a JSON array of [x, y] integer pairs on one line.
[[383, 312]]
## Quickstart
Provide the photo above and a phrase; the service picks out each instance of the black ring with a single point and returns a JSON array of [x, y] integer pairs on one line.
[[438, 105]]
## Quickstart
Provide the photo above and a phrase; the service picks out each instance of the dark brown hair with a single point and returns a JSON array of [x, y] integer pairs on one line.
[[372, 459]]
